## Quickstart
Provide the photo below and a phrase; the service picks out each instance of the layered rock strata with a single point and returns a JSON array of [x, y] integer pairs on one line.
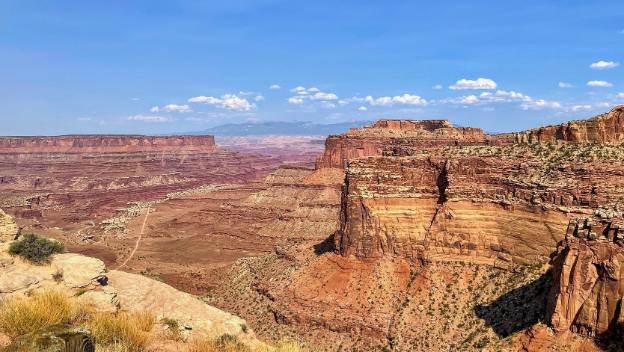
[[391, 136], [588, 288], [605, 128], [482, 209], [105, 144]]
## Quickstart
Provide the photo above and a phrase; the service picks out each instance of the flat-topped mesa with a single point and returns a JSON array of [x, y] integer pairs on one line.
[[105, 144], [395, 137], [607, 128], [588, 280]]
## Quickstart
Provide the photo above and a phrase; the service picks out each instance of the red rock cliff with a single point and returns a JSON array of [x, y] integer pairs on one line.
[[391, 137], [482, 209], [105, 144], [605, 128], [588, 288]]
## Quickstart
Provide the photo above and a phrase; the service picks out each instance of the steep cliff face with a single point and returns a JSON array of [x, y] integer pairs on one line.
[[105, 144], [588, 289], [605, 128], [493, 210], [392, 136]]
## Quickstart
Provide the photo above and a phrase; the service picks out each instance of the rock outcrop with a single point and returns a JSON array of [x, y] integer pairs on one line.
[[8, 228], [489, 210], [116, 290], [588, 288], [105, 144], [393, 137], [605, 128]]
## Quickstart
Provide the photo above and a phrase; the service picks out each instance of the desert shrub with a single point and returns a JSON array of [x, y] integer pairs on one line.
[[35, 249], [173, 328], [23, 315], [128, 332]]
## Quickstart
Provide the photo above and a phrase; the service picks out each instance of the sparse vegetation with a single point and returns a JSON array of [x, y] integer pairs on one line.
[[229, 343], [36, 249], [24, 315], [130, 331]]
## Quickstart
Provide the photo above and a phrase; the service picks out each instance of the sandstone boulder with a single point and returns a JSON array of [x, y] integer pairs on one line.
[[78, 270], [8, 228], [141, 293]]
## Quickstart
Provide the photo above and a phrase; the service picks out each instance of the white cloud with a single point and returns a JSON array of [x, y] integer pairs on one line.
[[172, 108], [604, 65], [576, 108], [299, 90], [259, 98], [479, 83], [324, 96], [295, 100], [599, 84], [328, 105], [437, 87], [565, 85], [148, 118], [540, 104], [510, 96], [620, 95], [227, 101], [362, 108], [469, 100], [313, 90], [275, 87], [405, 99]]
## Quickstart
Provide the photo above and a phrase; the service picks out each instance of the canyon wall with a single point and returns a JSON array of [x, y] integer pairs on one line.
[[605, 128], [105, 144], [588, 288], [389, 136]]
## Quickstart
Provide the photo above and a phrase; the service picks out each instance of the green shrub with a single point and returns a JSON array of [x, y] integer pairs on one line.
[[36, 249]]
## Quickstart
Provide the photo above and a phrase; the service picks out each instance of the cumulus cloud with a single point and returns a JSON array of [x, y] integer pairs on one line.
[[437, 87], [620, 96], [172, 108], [565, 85], [405, 99], [299, 90], [540, 104], [148, 118], [304, 94], [275, 87], [469, 100], [259, 98], [604, 65], [576, 108], [227, 101], [297, 100], [362, 108], [324, 96], [479, 83], [599, 84]]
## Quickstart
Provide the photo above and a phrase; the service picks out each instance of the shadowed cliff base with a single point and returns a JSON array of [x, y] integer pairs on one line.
[[517, 309], [326, 246]]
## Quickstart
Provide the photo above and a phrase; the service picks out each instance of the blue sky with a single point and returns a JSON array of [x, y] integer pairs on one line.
[[172, 66]]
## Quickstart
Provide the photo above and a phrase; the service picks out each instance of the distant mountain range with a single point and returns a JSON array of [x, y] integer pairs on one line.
[[299, 128]]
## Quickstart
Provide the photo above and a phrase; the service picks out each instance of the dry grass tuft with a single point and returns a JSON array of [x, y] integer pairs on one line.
[[23, 315], [229, 343], [128, 332]]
